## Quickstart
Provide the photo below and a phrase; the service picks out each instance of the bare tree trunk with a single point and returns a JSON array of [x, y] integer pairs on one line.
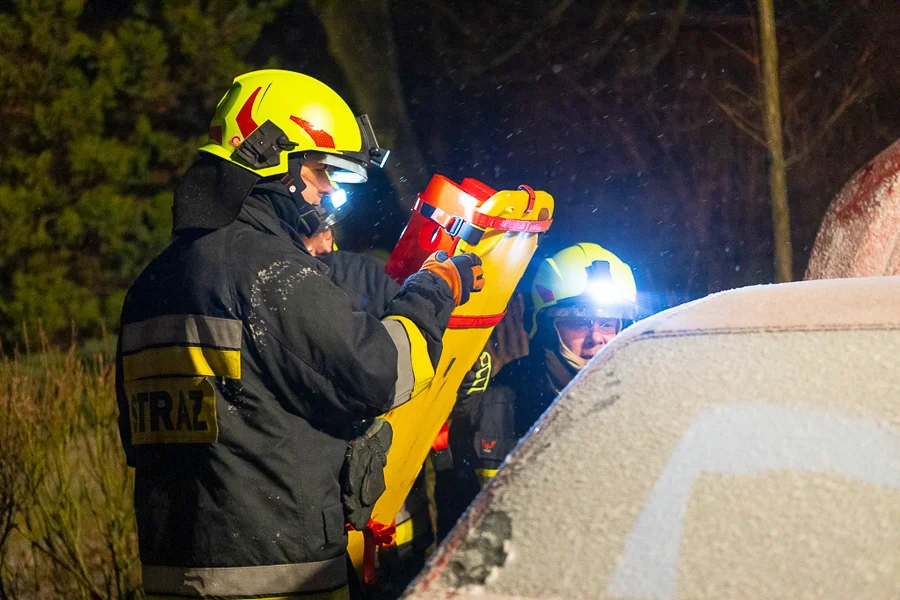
[[777, 168], [361, 40]]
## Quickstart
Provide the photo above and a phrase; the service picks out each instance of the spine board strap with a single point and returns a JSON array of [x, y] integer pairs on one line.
[[375, 534], [474, 321], [471, 233]]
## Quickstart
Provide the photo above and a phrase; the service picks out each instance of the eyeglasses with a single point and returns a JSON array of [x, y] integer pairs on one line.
[[585, 325]]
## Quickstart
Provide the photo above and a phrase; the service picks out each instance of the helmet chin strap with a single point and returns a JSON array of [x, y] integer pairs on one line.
[[573, 360], [310, 216], [548, 336]]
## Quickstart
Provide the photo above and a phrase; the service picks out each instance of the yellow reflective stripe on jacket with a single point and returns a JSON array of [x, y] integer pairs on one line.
[[485, 475], [405, 532], [182, 346], [184, 361], [411, 528], [166, 361], [414, 368]]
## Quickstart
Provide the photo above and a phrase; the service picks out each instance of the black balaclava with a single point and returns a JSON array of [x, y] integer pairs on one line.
[[210, 195], [286, 195]]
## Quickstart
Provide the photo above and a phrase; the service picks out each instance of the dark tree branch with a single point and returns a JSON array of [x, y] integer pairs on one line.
[[454, 19], [820, 43], [740, 122], [551, 19], [663, 46], [858, 89], [750, 58], [628, 139]]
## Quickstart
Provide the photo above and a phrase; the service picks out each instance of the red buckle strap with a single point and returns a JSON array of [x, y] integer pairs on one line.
[[474, 321], [374, 535], [454, 224], [433, 212], [489, 222]]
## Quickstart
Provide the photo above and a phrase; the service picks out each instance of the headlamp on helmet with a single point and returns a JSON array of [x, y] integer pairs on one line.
[[601, 289], [584, 280], [333, 209]]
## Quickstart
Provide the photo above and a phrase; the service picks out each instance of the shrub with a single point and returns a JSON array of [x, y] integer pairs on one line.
[[66, 514]]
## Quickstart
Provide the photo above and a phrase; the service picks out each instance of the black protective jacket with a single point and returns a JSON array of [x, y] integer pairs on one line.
[[363, 279], [242, 370], [486, 426], [529, 384]]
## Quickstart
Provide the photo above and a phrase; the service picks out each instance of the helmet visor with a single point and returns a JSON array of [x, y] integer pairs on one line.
[[587, 306], [582, 326], [350, 167], [342, 169]]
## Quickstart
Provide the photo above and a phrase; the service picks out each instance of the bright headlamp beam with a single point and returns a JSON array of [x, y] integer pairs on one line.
[[603, 292], [338, 198]]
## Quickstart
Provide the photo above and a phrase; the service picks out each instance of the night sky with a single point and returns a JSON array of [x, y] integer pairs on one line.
[[622, 120]]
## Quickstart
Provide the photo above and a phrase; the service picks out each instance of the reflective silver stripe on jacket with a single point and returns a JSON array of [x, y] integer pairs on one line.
[[272, 580], [182, 329], [406, 380]]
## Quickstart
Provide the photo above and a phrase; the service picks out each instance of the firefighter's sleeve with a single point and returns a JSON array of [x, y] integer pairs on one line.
[[363, 279], [422, 308], [327, 359]]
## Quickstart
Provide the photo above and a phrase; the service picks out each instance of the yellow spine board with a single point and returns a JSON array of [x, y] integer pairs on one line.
[[505, 256]]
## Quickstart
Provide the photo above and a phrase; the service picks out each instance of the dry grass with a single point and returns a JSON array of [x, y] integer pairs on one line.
[[66, 514]]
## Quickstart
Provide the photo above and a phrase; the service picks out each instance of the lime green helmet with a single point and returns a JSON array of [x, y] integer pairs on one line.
[[269, 114], [584, 280]]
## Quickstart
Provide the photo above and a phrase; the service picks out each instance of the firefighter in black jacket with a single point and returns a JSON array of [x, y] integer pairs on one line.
[[242, 370], [583, 296]]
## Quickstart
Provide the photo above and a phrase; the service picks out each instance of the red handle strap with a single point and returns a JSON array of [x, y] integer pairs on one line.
[[489, 222], [474, 321], [455, 224], [531, 197], [374, 535]]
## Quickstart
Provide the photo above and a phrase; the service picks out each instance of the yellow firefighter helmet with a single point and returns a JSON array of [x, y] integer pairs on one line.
[[584, 280], [269, 114]]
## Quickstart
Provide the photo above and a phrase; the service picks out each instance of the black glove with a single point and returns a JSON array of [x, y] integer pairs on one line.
[[462, 273], [362, 475]]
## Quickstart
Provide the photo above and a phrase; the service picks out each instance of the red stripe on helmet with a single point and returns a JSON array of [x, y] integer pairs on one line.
[[244, 119], [321, 138], [545, 294], [215, 134]]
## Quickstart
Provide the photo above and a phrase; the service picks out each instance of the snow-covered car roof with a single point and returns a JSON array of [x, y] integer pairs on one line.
[[746, 445], [828, 303]]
